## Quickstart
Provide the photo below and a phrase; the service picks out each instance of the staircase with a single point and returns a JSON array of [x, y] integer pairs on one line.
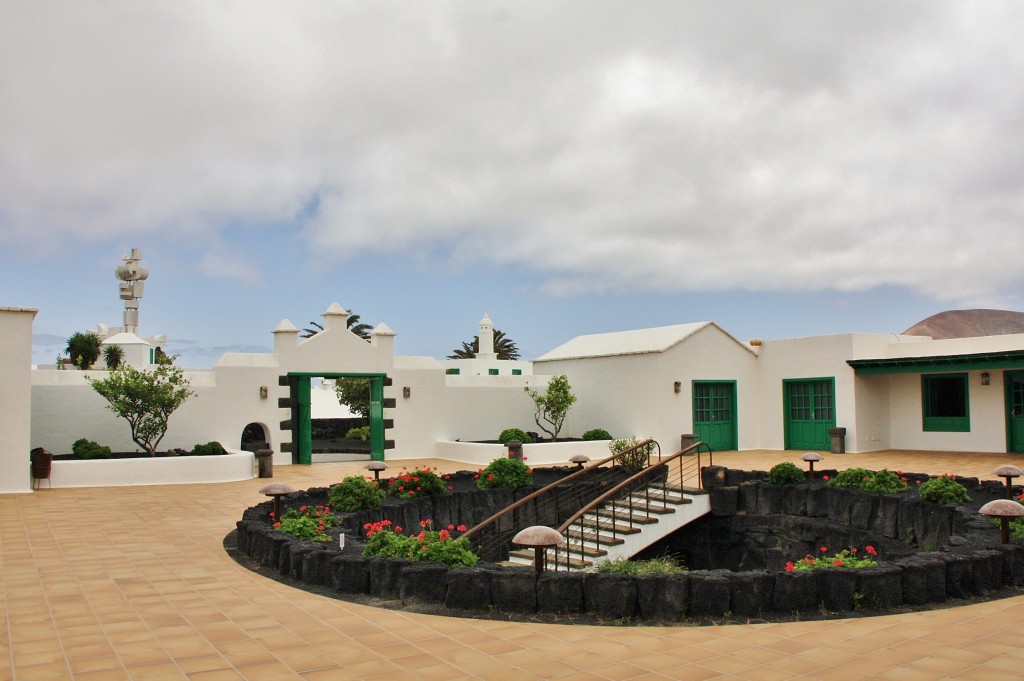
[[622, 526]]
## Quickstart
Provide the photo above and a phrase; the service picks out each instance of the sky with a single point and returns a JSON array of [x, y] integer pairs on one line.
[[782, 169]]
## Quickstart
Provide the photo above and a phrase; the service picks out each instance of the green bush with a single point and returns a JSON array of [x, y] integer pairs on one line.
[[1016, 525], [209, 449], [385, 541], [944, 490], [785, 473], [360, 433], [882, 482], [355, 493], [308, 523], [885, 482], [665, 565], [635, 461], [514, 434], [415, 484], [87, 449], [597, 434], [505, 472]]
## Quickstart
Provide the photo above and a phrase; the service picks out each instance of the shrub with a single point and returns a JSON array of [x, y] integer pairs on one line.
[[597, 434], [415, 484], [514, 434], [87, 449], [885, 482], [785, 473], [386, 541], [505, 472], [360, 433], [355, 493], [635, 461], [847, 558], [308, 523], [209, 449], [882, 482], [664, 565], [944, 490], [1016, 525]]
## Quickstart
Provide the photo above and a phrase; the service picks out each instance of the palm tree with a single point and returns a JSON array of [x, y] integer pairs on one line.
[[83, 349], [504, 347], [113, 355], [352, 323]]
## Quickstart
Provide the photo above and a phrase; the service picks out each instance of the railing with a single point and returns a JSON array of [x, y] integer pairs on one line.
[[658, 482], [491, 537]]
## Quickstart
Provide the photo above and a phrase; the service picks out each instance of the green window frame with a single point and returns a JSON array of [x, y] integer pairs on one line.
[[452, 371], [517, 372], [492, 372], [945, 403]]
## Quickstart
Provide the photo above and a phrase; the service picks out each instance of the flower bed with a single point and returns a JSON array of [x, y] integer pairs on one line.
[[964, 558]]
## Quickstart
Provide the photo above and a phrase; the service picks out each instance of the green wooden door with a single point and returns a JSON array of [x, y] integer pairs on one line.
[[810, 412], [714, 414], [1014, 411]]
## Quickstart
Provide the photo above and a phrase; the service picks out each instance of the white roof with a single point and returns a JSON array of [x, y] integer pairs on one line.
[[124, 339], [635, 342]]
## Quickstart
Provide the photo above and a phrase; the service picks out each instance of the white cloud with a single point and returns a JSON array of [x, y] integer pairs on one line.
[[660, 147]]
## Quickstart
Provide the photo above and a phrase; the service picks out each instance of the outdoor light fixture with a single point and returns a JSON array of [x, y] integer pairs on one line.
[[263, 392], [677, 386], [985, 378], [406, 392]]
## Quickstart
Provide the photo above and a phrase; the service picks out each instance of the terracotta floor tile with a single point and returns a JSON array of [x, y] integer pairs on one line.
[[114, 600]]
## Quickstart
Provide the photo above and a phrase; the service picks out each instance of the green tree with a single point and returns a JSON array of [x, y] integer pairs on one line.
[[83, 349], [504, 347], [354, 393], [146, 399], [552, 405], [113, 355], [352, 324]]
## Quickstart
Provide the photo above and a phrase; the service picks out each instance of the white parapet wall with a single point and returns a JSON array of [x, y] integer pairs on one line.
[[162, 470], [538, 454]]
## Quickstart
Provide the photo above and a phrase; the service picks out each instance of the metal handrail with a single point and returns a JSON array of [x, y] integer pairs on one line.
[[547, 488], [625, 489]]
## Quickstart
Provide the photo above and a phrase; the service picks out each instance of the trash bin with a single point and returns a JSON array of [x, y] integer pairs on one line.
[[265, 460], [838, 440], [687, 440], [515, 450]]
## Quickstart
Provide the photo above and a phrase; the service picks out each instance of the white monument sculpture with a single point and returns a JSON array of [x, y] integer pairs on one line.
[[133, 279]]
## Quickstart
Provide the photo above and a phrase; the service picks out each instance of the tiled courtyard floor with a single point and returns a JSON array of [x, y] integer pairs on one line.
[[133, 583]]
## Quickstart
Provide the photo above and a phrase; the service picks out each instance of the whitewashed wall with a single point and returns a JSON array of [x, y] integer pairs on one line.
[[15, 398], [634, 394]]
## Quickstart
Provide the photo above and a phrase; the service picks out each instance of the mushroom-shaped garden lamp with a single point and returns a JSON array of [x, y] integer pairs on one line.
[[1006, 510], [540, 538], [811, 458], [1009, 472], [579, 459], [376, 467], [277, 490]]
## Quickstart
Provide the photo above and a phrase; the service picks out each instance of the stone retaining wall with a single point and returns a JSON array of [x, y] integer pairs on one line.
[[780, 521]]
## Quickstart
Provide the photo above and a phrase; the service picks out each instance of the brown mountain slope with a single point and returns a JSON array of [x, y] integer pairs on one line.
[[968, 324]]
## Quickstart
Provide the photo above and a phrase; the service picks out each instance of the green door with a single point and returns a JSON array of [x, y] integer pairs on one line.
[[1014, 411], [810, 412], [714, 414]]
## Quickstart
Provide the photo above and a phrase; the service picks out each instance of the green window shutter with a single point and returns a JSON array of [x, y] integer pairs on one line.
[[517, 372], [492, 372], [452, 372]]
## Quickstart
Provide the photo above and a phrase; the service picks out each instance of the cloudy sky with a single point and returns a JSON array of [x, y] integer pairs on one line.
[[783, 169]]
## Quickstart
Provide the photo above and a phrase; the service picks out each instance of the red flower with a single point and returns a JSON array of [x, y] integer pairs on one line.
[[838, 563], [451, 527], [789, 566], [853, 549], [424, 523], [398, 528], [277, 524], [450, 488], [461, 528], [824, 549], [825, 478], [302, 508], [271, 514], [871, 550]]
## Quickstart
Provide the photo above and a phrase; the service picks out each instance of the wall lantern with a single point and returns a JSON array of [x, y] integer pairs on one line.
[[677, 386], [985, 378], [263, 392], [406, 392]]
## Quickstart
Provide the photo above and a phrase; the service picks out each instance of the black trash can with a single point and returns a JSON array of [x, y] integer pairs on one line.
[[265, 460]]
